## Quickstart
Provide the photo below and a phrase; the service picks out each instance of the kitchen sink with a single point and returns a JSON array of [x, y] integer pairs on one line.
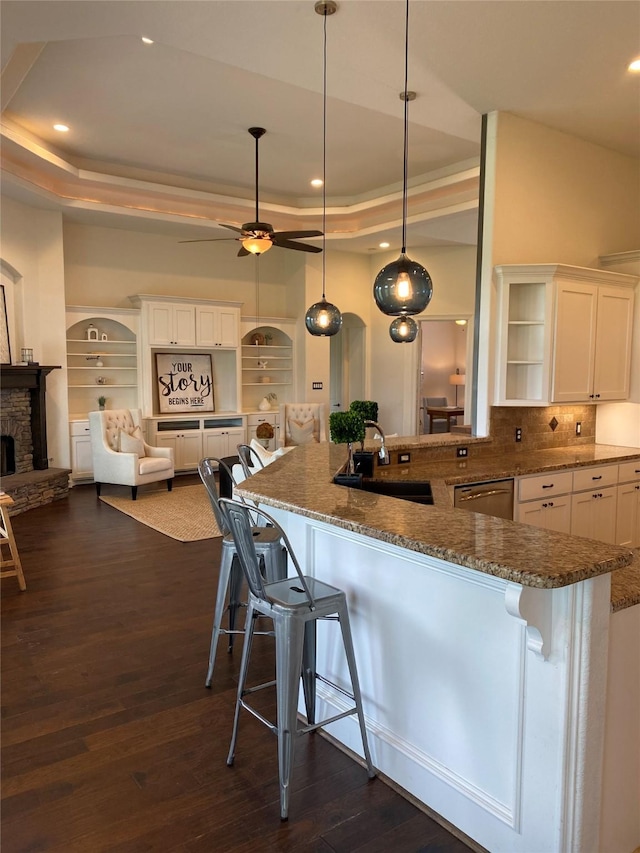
[[408, 490]]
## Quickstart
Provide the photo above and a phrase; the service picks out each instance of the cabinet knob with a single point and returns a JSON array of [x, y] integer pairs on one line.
[[550, 503], [545, 505], [597, 395]]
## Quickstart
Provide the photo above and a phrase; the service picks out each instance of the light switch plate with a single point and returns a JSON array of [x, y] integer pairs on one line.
[[316, 386]]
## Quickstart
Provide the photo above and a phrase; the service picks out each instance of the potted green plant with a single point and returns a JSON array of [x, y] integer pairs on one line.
[[363, 460], [102, 402], [346, 428], [264, 433]]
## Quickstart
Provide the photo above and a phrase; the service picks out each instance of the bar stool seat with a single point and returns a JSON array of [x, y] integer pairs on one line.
[[267, 544], [295, 605]]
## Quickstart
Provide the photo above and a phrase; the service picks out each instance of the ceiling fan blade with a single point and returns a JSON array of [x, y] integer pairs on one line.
[[242, 252], [208, 240], [289, 244], [294, 235], [232, 227]]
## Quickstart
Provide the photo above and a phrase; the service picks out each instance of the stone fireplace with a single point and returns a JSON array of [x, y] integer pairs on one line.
[[26, 475]]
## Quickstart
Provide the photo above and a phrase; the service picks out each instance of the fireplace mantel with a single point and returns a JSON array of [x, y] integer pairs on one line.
[[33, 377]]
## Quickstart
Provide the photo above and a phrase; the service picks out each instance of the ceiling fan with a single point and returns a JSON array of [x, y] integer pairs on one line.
[[258, 237]]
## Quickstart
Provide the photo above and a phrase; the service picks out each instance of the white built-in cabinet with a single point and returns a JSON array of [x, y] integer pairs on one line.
[[184, 327], [564, 334]]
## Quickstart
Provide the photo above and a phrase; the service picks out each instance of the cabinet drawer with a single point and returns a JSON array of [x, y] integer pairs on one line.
[[629, 472], [590, 478], [544, 485], [255, 420], [79, 428]]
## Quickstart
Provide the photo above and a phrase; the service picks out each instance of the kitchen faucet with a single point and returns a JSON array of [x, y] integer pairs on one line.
[[383, 453]]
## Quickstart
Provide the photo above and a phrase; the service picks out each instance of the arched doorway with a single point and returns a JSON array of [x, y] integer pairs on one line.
[[347, 377]]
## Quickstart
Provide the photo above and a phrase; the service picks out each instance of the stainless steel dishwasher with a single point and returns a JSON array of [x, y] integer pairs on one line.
[[492, 497]]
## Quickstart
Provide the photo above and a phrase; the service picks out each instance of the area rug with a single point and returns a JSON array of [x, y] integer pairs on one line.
[[184, 513]]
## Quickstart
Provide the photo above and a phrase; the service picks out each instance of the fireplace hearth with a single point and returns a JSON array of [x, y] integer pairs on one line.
[[26, 475]]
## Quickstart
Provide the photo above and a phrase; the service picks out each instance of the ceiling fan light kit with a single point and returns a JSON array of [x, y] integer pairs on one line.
[[324, 319], [403, 287]]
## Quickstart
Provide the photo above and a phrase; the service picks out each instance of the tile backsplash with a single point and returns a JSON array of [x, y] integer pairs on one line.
[[537, 434]]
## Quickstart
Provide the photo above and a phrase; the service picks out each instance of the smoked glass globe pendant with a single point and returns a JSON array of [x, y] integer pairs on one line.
[[324, 319], [404, 286]]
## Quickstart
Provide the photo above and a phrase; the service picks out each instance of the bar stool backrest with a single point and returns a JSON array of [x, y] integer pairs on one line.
[[249, 459], [206, 469], [239, 520]]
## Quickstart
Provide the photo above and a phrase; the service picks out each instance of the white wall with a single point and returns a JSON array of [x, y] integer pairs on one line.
[[556, 199], [32, 250]]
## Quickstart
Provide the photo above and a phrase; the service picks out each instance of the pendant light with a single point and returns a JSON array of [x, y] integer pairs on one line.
[[404, 286], [324, 319], [403, 330]]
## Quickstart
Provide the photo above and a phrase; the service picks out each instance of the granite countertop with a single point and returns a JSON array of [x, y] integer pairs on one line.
[[301, 482]]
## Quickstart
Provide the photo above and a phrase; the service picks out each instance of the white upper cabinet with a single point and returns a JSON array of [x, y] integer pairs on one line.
[[217, 326], [189, 322], [564, 334], [171, 325]]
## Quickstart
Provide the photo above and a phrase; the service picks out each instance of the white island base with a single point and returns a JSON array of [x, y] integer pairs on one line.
[[484, 699]]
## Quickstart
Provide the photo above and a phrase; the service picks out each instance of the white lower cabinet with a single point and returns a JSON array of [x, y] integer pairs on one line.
[[545, 501], [254, 422], [192, 439], [550, 513], [593, 514], [222, 442], [598, 502], [186, 446], [628, 524], [81, 458]]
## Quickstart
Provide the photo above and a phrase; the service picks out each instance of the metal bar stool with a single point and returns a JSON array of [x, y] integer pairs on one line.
[[294, 605], [268, 547], [249, 460]]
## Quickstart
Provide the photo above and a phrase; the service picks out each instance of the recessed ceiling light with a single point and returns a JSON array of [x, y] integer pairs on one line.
[[146, 40], [316, 182], [635, 65], [384, 245], [62, 128]]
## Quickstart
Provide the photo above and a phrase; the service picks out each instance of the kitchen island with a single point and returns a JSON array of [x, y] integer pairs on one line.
[[482, 648]]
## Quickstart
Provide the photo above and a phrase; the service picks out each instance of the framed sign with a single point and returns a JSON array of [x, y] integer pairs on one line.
[[185, 382]]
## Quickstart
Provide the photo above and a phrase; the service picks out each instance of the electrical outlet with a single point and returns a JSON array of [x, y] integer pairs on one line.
[[518, 433], [578, 427], [462, 452], [404, 457]]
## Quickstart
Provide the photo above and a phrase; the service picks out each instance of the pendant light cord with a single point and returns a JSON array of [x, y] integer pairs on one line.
[[405, 155], [324, 151]]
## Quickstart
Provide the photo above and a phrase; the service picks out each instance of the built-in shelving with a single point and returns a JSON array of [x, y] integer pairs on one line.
[[267, 351]]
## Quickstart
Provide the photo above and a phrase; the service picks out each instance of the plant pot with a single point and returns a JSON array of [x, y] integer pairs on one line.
[[363, 463]]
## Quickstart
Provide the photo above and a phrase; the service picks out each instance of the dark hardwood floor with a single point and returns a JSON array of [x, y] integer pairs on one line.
[[110, 740]]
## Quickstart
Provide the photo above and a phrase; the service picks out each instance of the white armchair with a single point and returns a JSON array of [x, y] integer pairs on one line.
[[302, 423], [120, 454]]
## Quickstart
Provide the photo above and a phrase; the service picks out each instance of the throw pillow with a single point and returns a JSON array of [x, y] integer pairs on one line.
[[264, 455], [131, 442], [302, 433]]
